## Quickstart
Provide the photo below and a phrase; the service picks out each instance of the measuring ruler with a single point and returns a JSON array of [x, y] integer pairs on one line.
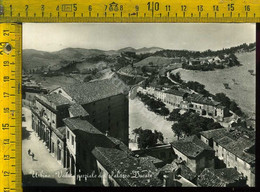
[[130, 11], [10, 107]]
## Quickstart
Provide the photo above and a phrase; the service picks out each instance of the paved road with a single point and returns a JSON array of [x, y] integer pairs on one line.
[[45, 165]]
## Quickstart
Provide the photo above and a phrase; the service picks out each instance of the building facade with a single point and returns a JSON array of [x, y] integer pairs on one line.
[[196, 155], [187, 101], [235, 148]]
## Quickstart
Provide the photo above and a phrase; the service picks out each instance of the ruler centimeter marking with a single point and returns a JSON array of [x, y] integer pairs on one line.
[[130, 11], [10, 107]]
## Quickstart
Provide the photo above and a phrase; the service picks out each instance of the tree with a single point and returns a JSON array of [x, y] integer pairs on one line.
[[191, 123], [146, 139], [164, 111], [159, 135], [137, 131], [177, 128], [174, 115], [223, 99]]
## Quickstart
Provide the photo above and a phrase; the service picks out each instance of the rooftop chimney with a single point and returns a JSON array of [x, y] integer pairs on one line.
[[106, 133]]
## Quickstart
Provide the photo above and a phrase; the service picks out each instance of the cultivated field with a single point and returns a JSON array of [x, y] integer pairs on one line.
[[241, 82]]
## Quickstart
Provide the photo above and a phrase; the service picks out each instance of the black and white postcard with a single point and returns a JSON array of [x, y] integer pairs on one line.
[[139, 105]]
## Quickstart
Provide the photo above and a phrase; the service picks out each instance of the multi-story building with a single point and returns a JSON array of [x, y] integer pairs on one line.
[[47, 115], [235, 148], [196, 154], [187, 101], [101, 102], [205, 106], [106, 104], [107, 159]]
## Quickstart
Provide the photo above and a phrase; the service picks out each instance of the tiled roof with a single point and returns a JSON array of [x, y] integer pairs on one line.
[[77, 110], [76, 123], [218, 177], [187, 173], [84, 93], [175, 92], [170, 167], [238, 148], [114, 155], [118, 161], [214, 133], [235, 141], [197, 98], [191, 146], [57, 99]]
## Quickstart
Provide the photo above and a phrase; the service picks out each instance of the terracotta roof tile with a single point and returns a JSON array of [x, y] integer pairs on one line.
[[84, 93]]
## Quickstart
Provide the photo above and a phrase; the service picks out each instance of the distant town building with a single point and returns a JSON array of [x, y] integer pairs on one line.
[[185, 100], [235, 148]]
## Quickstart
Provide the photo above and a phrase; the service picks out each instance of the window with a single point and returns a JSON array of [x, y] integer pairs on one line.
[[72, 140], [60, 91], [235, 158], [68, 135]]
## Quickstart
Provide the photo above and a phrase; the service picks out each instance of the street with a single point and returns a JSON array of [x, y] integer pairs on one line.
[[44, 169]]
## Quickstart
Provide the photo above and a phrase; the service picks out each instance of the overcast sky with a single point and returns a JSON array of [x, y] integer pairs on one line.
[[57, 36]]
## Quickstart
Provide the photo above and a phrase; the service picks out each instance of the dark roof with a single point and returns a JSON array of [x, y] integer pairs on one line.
[[197, 98], [191, 146], [76, 123], [114, 155], [117, 160], [235, 141], [214, 133], [218, 177], [187, 173], [84, 93], [57, 99], [238, 149], [176, 92], [169, 167], [77, 110]]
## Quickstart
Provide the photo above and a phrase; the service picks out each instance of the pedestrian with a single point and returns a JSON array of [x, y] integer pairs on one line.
[[29, 152], [32, 156]]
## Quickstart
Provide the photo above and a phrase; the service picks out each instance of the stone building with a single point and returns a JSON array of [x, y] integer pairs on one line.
[[101, 103], [47, 114], [196, 154], [107, 159], [187, 101], [235, 148], [106, 104], [205, 106]]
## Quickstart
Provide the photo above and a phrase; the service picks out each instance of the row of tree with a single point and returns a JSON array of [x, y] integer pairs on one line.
[[154, 105]]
